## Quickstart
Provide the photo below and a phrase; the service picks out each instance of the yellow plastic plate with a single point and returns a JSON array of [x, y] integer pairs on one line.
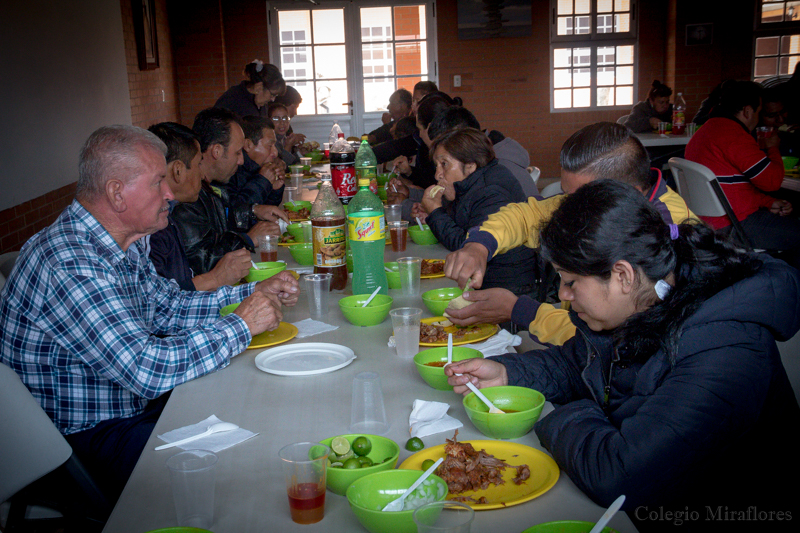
[[284, 332], [477, 332], [544, 473], [431, 276]]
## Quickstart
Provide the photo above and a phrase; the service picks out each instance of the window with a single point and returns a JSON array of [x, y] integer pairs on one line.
[[593, 54], [777, 39]]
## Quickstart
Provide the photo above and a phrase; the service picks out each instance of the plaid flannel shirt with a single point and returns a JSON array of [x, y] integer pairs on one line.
[[94, 332]]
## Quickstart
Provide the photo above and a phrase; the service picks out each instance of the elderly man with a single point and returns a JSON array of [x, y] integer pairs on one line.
[[91, 329], [208, 227]]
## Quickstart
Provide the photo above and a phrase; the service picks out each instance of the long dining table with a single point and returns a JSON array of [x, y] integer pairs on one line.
[[250, 489]]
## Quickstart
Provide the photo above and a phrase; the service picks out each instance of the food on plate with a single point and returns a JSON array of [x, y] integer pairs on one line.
[[436, 333], [465, 469], [306, 147], [301, 214], [435, 190], [287, 238], [429, 267]]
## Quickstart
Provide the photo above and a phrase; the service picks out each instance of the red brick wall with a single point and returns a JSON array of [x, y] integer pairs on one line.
[[21, 222], [246, 36]]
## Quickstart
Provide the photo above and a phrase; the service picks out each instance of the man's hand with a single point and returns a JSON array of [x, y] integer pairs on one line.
[[275, 174], [386, 118], [283, 286], [261, 312], [772, 141], [293, 140], [263, 228], [781, 207], [270, 213], [481, 372], [396, 186], [490, 306], [417, 211], [431, 204], [654, 122], [468, 262], [401, 166]]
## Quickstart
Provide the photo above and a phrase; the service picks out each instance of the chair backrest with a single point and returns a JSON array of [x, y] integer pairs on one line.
[[552, 189], [30, 443], [7, 261], [698, 186], [535, 173]]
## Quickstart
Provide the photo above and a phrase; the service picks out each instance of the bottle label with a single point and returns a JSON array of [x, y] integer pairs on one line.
[[343, 179], [364, 229], [329, 246]]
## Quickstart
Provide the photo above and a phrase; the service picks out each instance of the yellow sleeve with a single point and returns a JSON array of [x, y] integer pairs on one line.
[[677, 207], [552, 325], [517, 224]]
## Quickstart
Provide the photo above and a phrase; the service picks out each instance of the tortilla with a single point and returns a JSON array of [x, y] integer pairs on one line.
[[459, 302], [435, 190]]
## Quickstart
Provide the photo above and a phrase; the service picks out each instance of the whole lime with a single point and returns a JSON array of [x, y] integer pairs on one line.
[[362, 446], [414, 444], [352, 463], [427, 463], [365, 461]]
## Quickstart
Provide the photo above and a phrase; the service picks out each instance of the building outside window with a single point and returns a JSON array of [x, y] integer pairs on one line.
[[777, 39]]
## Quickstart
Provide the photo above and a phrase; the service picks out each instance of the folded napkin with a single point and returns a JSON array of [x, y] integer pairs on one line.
[[309, 327], [282, 224], [428, 418], [498, 344], [215, 443]]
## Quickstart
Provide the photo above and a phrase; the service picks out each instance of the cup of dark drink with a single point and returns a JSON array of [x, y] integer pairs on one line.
[[763, 133], [327, 150], [398, 230], [304, 466], [268, 247]]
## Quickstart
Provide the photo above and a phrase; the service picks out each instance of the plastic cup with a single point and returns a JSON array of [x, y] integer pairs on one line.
[[399, 233], [410, 270], [763, 133], [691, 128], [662, 127], [305, 161], [327, 149], [405, 323], [444, 517], [304, 467], [294, 184], [318, 288], [393, 213], [306, 227], [367, 412], [268, 247], [192, 477], [296, 170]]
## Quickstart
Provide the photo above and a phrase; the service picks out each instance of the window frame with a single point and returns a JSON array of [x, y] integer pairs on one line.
[[770, 29]]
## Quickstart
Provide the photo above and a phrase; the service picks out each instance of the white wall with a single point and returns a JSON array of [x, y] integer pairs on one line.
[[62, 75]]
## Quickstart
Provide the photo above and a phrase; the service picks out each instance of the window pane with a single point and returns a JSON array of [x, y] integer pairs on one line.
[[767, 66], [605, 76], [622, 23], [562, 98], [375, 21], [582, 25], [605, 96], [295, 27], [604, 6], [306, 91], [605, 55], [375, 55], [582, 77], [328, 26], [790, 44], [622, 5], [564, 26], [792, 11], [625, 75], [331, 97], [625, 55], [409, 23], [581, 57], [625, 95], [562, 77], [583, 6], [412, 58], [564, 7], [561, 57], [582, 97], [605, 23], [330, 62], [767, 46], [772, 12], [377, 92]]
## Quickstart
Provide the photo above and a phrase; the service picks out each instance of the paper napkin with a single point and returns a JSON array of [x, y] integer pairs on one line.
[[309, 327], [498, 344], [215, 443], [428, 418]]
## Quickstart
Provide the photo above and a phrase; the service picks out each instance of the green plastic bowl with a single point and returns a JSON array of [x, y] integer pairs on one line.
[[369, 494], [527, 403], [566, 526], [382, 179], [437, 300], [296, 231], [383, 449], [228, 309], [394, 275], [297, 205], [382, 193], [303, 253], [790, 162], [421, 237], [371, 315], [265, 270], [434, 375], [315, 155]]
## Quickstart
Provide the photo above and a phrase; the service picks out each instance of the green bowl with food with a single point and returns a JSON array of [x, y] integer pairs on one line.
[[371, 315], [265, 270], [393, 274], [382, 455], [303, 253], [382, 193], [422, 236], [297, 205], [315, 155], [437, 300], [383, 179], [789, 162], [296, 231], [523, 407], [430, 364]]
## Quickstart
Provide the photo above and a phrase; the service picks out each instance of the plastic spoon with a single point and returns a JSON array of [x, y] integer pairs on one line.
[[473, 388], [419, 224], [254, 264], [610, 512], [397, 505], [371, 296], [449, 348], [213, 428]]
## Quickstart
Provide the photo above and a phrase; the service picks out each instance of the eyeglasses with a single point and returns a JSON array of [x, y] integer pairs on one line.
[[281, 119]]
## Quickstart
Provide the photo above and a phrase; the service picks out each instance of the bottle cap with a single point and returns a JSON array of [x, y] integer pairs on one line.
[[364, 137], [363, 182], [341, 135]]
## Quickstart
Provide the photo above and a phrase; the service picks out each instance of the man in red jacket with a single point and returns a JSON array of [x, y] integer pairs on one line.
[[726, 146]]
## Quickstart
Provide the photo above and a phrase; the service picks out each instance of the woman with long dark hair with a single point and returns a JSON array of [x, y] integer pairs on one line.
[[672, 392], [264, 82], [646, 115]]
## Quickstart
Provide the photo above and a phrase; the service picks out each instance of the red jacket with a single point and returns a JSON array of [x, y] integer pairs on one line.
[[726, 147]]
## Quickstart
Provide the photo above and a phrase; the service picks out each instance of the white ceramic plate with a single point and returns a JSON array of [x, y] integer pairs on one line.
[[304, 359]]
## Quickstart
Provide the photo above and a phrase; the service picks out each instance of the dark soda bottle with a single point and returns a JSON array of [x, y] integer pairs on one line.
[[343, 170]]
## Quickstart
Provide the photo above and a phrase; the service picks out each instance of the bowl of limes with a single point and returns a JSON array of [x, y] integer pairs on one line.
[[355, 456]]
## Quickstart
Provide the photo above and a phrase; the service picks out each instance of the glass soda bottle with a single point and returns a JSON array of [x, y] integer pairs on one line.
[[367, 164], [679, 115], [343, 170], [366, 228], [328, 228]]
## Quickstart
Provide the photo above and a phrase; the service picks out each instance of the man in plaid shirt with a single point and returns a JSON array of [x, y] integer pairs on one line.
[[94, 333]]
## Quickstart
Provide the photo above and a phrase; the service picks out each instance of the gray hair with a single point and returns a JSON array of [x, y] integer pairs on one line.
[[113, 152]]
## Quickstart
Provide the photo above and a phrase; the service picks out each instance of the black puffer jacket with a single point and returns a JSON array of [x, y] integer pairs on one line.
[[246, 188], [482, 193], [715, 428], [204, 230]]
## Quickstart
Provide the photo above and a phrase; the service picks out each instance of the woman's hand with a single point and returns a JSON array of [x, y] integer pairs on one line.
[[490, 306], [417, 211], [480, 372], [293, 140], [431, 204], [654, 122]]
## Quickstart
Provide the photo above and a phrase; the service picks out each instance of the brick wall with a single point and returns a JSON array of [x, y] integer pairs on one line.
[[246, 36], [21, 222]]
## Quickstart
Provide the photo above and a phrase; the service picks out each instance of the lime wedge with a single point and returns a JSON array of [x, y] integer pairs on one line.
[[340, 445]]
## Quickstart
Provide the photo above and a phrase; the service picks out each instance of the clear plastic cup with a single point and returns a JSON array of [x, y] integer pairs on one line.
[[662, 127], [367, 412], [410, 270], [406, 323], [192, 477], [393, 213], [318, 288], [307, 235], [456, 518], [304, 466], [268, 247], [398, 230]]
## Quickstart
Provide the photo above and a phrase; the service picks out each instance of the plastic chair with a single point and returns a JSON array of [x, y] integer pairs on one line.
[[699, 187], [37, 466], [535, 173], [552, 189]]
